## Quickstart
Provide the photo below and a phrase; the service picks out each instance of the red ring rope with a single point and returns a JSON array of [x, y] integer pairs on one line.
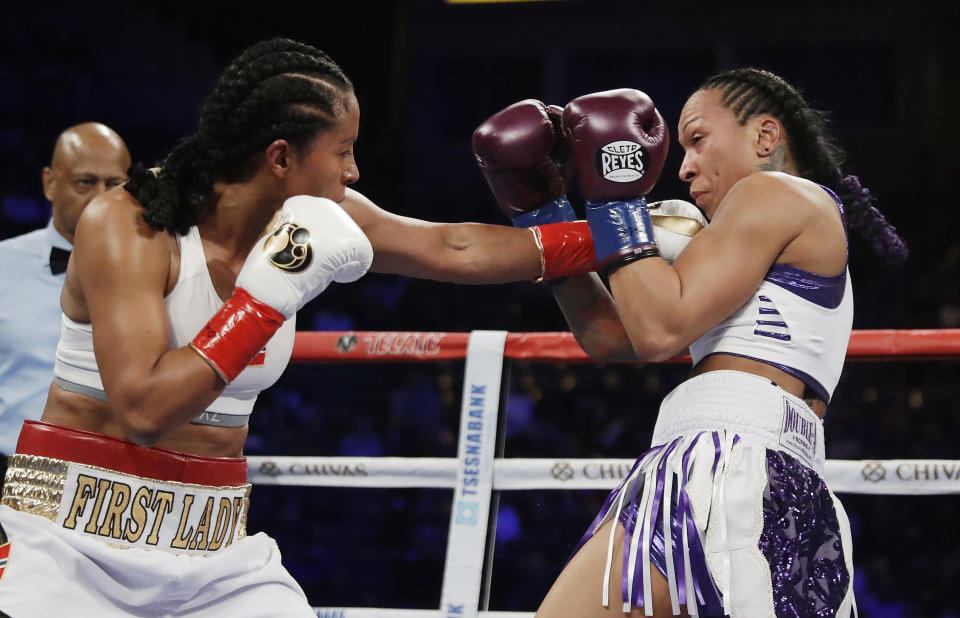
[[393, 347]]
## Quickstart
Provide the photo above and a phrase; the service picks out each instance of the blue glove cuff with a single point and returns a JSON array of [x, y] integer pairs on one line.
[[622, 232], [557, 211]]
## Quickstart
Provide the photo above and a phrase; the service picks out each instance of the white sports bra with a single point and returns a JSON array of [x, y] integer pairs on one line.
[[191, 303], [796, 321]]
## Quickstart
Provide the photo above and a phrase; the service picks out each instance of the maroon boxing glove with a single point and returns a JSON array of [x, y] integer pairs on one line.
[[520, 152], [513, 149], [619, 142]]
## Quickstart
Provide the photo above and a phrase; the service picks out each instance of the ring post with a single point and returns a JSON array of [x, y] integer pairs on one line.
[[495, 499], [470, 510]]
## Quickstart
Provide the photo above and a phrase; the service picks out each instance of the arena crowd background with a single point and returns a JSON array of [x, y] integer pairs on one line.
[[426, 74]]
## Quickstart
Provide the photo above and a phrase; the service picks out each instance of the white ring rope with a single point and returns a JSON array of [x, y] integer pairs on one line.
[[380, 612], [858, 476]]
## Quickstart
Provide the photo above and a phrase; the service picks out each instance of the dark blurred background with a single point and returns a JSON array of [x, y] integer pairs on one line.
[[426, 74]]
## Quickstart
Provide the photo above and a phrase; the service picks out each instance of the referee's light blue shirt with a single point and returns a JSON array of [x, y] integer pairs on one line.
[[29, 327]]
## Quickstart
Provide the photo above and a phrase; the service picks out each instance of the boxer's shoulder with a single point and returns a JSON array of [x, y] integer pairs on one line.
[[112, 234], [117, 214], [766, 196]]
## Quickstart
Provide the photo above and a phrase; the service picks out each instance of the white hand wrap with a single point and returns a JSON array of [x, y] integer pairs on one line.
[[675, 222]]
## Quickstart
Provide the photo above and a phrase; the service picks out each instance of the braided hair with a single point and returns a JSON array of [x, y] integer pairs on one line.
[[275, 89], [749, 91]]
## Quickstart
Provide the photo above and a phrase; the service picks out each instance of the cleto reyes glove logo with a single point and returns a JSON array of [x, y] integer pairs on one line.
[[288, 248], [622, 161]]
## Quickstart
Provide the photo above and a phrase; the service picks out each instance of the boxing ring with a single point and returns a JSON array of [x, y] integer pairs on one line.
[[480, 471]]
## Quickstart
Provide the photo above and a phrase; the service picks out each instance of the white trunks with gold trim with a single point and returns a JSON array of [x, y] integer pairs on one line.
[[128, 495]]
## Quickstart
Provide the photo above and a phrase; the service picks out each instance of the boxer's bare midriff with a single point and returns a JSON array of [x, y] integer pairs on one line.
[[81, 412], [789, 383]]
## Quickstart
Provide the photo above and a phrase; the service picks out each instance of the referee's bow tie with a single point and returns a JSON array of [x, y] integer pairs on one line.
[[58, 260]]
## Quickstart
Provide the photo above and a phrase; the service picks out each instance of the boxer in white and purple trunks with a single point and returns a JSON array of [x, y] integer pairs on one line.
[[728, 513]]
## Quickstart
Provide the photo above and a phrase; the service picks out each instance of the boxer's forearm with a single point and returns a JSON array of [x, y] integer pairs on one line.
[[470, 253], [149, 405], [593, 318]]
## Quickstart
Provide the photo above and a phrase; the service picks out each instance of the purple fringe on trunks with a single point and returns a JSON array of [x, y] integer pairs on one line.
[[681, 514], [800, 537]]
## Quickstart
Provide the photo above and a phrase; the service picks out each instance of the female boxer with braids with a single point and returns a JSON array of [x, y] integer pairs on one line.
[[178, 309], [727, 513]]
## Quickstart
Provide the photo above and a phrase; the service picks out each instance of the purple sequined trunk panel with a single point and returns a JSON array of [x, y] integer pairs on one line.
[[801, 541]]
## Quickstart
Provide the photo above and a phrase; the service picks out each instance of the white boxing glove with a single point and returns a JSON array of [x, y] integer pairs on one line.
[[675, 222], [314, 243]]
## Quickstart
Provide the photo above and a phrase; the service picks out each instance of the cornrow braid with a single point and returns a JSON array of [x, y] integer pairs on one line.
[[748, 92], [276, 89]]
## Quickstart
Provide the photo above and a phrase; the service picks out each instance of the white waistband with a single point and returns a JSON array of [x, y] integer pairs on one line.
[[126, 510], [748, 405]]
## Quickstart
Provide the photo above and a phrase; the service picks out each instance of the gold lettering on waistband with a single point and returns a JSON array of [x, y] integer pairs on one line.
[[84, 492], [121, 508], [179, 539], [113, 521], [163, 500], [138, 515], [222, 525], [200, 539], [238, 504], [102, 486]]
